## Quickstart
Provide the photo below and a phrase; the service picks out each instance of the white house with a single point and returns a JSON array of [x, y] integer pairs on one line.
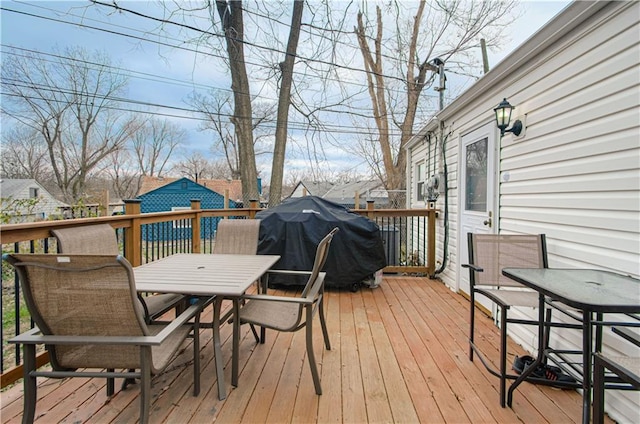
[[14, 193], [574, 171]]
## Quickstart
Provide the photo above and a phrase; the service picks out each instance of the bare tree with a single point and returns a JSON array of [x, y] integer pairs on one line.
[[232, 21], [195, 167], [217, 109], [122, 172], [69, 99], [439, 32], [284, 95], [24, 155], [154, 144]]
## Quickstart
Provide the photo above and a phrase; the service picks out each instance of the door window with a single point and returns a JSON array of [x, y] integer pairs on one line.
[[476, 176]]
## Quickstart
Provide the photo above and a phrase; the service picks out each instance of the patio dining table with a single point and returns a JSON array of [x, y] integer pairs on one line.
[[227, 276], [594, 293]]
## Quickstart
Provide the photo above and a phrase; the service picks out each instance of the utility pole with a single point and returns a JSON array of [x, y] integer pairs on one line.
[[442, 85]]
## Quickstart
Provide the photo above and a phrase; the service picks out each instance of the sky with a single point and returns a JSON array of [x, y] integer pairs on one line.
[[165, 76]]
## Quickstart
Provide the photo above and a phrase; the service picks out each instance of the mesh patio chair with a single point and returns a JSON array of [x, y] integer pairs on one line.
[[237, 236], [294, 313], [88, 317], [100, 239], [488, 255]]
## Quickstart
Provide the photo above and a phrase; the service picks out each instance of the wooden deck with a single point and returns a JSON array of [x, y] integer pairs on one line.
[[399, 354]]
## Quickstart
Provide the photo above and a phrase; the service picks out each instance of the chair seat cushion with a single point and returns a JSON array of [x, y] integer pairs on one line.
[[281, 316]]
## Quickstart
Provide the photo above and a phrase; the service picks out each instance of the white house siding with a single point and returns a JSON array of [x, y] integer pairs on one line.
[[575, 174], [21, 190]]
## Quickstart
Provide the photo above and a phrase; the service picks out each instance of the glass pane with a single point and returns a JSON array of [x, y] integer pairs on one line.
[[476, 176]]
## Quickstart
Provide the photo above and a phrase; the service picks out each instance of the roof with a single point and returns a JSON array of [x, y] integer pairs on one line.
[[219, 186], [14, 187], [314, 188], [348, 189], [9, 187]]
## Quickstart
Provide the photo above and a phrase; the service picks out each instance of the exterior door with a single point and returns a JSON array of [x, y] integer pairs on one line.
[[478, 177]]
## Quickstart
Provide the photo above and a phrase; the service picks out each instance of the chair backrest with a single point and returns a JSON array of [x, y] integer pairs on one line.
[[322, 252], [82, 295], [237, 236], [96, 239], [493, 252]]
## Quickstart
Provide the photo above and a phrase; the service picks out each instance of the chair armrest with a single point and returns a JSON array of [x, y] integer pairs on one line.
[[34, 336], [472, 267], [288, 272], [300, 300]]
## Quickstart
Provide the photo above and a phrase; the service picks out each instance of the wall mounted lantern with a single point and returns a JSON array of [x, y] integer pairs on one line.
[[503, 117]]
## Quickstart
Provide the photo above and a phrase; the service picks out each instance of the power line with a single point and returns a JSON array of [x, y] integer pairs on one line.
[[301, 126], [196, 51]]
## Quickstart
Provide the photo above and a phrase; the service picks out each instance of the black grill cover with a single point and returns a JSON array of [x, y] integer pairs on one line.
[[294, 228]]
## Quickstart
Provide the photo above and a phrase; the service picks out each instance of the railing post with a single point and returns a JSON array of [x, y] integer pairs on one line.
[[356, 203], [253, 204], [195, 226], [370, 207], [431, 242], [133, 234]]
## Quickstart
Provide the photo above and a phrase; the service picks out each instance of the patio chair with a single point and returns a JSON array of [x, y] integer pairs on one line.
[[294, 313], [237, 236], [625, 368], [88, 317], [488, 255], [100, 239]]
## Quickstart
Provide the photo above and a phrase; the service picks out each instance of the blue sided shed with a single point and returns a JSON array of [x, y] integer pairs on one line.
[[177, 195]]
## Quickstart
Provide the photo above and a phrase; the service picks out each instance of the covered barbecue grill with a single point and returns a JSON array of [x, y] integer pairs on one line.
[[294, 228]]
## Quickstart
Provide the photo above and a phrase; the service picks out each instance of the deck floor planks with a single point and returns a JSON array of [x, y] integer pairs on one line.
[[488, 336], [427, 358], [406, 341], [420, 392], [353, 399], [484, 329], [475, 409], [400, 402], [376, 397], [330, 403], [479, 382]]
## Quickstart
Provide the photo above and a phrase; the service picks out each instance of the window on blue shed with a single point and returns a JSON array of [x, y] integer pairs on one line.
[[181, 223]]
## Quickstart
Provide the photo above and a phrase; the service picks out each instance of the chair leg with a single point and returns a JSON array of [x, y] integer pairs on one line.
[[471, 324], [547, 332], [503, 355], [145, 383], [598, 390], [310, 354], [196, 355], [110, 383], [255, 333], [323, 324], [29, 384]]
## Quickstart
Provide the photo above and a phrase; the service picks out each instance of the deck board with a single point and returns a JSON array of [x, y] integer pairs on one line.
[[399, 354]]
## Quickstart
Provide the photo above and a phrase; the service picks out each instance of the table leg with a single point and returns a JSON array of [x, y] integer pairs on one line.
[[217, 350], [587, 348], [236, 342], [541, 353]]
